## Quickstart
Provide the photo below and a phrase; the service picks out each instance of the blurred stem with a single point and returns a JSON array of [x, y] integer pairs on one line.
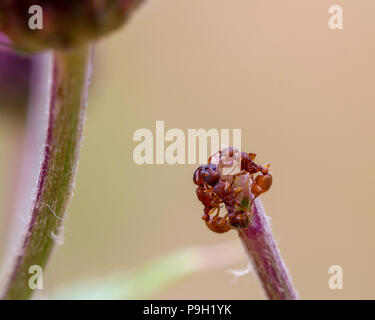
[[262, 250], [154, 276], [66, 116]]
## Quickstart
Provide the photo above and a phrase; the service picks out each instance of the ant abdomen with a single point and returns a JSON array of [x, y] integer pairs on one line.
[[262, 183], [218, 224]]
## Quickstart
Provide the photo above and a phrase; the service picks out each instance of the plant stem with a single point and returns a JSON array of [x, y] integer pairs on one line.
[[154, 276], [59, 165], [261, 248]]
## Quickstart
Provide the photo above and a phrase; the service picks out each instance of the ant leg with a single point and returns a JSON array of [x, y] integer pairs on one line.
[[217, 212], [256, 190], [264, 168], [238, 190], [207, 215], [224, 220], [212, 211], [252, 156], [207, 187]]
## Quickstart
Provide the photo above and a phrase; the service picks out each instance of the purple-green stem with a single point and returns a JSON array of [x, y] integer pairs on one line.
[[262, 250], [66, 113]]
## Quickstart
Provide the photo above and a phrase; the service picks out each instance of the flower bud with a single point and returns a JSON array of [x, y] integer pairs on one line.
[[37, 25], [14, 81]]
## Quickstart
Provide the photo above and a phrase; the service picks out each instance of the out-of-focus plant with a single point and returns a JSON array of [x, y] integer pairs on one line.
[[66, 24], [14, 82], [153, 277], [69, 29]]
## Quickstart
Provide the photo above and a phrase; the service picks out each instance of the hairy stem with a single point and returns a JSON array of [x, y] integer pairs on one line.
[[261, 248], [70, 73]]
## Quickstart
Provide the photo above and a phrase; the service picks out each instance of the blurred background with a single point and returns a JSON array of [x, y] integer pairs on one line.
[[303, 96]]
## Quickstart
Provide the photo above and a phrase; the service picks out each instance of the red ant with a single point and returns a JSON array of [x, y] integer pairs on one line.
[[213, 192], [263, 181], [212, 198], [206, 177]]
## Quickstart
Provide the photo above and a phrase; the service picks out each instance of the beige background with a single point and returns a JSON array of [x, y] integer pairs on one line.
[[304, 98]]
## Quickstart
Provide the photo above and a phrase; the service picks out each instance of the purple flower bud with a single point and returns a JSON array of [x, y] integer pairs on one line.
[[64, 23], [14, 80]]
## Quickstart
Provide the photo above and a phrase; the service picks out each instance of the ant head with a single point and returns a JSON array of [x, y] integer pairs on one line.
[[197, 177], [247, 162], [207, 173], [248, 156]]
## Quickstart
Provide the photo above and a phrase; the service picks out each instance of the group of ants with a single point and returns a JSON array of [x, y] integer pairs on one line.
[[214, 190]]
